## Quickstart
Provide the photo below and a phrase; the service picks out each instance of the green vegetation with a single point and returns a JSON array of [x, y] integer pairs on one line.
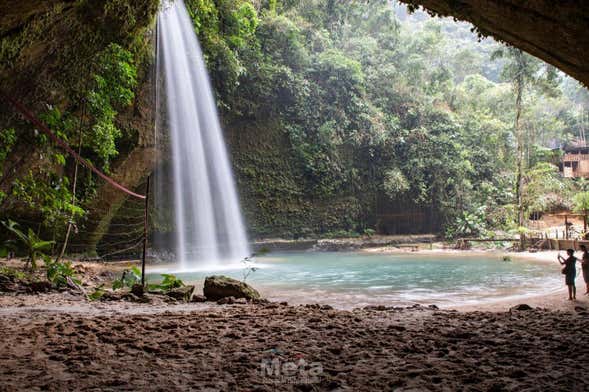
[[168, 282], [128, 279], [581, 201], [78, 67], [382, 113], [97, 294], [60, 273], [31, 243], [343, 118], [133, 276], [7, 140], [47, 190], [114, 81]]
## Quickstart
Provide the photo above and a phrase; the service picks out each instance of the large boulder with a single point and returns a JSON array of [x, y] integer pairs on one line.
[[218, 286]]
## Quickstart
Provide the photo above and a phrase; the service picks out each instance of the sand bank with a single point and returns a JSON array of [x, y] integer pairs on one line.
[[276, 347], [60, 341]]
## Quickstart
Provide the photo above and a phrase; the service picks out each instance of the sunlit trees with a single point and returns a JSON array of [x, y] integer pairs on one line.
[[416, 112], [524, 72]]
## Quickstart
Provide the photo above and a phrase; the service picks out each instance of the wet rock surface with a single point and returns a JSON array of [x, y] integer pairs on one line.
[[522, 307], [347, 244], [218, 287], [183, 293], [198, 298]]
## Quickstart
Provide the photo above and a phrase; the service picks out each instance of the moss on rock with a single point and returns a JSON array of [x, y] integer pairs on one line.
[[218, 286]]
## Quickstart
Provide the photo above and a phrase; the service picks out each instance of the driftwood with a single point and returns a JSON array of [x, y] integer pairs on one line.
[[73, 285]]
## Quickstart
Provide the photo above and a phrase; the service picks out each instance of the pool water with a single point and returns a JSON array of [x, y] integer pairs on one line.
[[348, 280]]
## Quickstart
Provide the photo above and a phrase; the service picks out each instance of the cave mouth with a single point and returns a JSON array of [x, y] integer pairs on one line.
[[556, 35]]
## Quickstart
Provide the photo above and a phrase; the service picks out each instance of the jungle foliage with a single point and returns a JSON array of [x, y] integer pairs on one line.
[[377, 104], [77, 66], [337, 113]]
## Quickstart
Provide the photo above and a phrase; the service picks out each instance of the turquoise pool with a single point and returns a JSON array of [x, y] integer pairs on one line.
[[348, 280]]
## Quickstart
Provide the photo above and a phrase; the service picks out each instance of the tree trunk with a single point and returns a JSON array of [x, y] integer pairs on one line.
[[519, 87]]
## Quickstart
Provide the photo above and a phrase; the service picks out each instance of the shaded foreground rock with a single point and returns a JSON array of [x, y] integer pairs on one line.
[[198, 298], [15, 281], [41, 286], [218, 287], [183, 293], [522, 307], [138, 290]]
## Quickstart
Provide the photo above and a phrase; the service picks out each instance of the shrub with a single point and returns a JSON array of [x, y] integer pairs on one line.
[[128, 279], [96, 294], [59, 272], [170, 282], [33, 244]]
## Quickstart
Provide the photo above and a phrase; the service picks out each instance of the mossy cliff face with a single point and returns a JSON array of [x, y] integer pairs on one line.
[[46, 45], [275, 196], [58, 58]]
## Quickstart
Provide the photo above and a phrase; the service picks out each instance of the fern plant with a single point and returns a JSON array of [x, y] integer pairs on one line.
[[34, 246]]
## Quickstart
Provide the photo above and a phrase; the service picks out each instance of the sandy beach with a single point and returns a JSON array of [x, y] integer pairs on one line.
[[60, 341], [278, 347], [554, 299]]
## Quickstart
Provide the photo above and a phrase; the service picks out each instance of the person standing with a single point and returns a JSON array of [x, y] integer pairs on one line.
[[585, 267], [570, 272]]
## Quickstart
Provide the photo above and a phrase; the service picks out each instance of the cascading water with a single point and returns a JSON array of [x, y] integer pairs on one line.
[[208, 223]]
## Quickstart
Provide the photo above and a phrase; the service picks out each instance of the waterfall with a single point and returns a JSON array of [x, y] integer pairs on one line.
[[209, 228]]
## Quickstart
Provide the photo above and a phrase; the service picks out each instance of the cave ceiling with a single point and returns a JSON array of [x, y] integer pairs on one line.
[[554, 31]]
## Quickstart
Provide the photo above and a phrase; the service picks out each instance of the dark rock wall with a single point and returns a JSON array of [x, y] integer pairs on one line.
[[45, 52]]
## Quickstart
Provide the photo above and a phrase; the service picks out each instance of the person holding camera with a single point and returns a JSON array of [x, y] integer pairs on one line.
[[570, 272]]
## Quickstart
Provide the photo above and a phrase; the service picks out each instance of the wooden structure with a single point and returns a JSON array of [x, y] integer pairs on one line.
[[554, 244], [568, 224], [575, 162], [532, 244]]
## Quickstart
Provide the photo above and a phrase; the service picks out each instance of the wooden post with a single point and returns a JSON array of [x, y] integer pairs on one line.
[[566, 228], [585, 223], [145, 222]]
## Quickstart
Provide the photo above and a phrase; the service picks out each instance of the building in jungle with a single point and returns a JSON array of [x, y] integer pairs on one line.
[[575, 162]]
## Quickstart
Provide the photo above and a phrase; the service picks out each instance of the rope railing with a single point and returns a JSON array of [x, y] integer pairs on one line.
[[43, 128], [134, 241]]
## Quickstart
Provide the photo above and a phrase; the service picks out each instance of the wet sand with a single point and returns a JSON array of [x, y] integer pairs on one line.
[[276, 347], [60, 341]]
